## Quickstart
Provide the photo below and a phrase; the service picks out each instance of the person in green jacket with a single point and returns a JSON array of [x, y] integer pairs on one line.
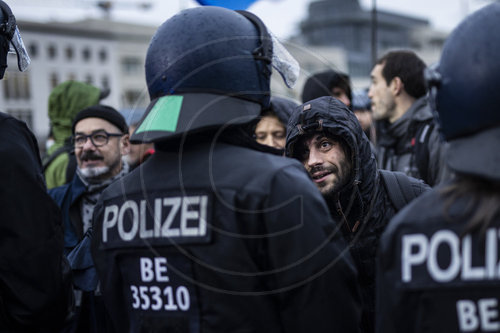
[[65, 101]]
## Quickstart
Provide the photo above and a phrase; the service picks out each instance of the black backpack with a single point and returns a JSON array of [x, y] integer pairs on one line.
[[399, 188]]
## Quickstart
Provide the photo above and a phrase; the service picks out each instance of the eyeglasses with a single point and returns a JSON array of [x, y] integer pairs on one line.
[[98, 138]]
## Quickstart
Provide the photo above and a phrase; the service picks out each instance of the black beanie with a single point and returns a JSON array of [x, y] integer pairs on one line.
[[104, 112]]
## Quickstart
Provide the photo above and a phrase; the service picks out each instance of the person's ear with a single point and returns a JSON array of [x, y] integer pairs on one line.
[[397, 86], [125, 144]]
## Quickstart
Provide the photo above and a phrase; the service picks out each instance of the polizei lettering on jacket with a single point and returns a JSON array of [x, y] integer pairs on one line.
[[446, 256], [179, 219]]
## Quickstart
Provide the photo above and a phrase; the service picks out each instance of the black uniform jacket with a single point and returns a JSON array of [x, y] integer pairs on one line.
[[436, 276], [34, 290], [215, 237]]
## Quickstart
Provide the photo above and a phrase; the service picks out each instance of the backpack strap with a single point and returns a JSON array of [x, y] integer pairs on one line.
[[49, 158], [71, 167], [422, 150], [399, 188]]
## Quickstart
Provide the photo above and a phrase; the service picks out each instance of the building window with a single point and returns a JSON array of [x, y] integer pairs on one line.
[[89, 79], [86, 54], [52, 51], [103, 55], [33, 50], [22, 114], [72, 76], [132, 66], [133, 98], [17, 86], [69, 53], [105, 82], [54, 80]]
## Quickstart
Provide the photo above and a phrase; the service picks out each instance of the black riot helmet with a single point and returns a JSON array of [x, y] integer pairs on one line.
[[207, 67], [10, 40], [464, 92]]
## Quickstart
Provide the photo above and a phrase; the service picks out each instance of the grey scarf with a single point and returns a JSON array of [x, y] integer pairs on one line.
[[92, 193]]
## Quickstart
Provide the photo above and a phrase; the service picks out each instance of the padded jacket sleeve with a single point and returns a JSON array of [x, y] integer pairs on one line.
[[35, 288]]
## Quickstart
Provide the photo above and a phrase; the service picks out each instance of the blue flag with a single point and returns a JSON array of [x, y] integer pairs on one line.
[[230, 4]]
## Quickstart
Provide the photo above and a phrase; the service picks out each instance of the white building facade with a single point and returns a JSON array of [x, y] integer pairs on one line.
[[102, 53]]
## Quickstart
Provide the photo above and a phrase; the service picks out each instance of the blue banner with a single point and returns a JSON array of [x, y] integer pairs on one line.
[[230, 4]]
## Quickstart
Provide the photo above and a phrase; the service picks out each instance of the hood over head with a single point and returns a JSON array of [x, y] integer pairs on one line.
[[65, 101], [330, 116], [281, 107]]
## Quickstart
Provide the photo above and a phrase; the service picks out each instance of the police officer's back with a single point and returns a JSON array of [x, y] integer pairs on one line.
[[209, 234], [438, 268], [35, 290]]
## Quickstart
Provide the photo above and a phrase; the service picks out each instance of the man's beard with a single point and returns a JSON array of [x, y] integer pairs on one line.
[[341, 178], [98, 172], [94, 172]]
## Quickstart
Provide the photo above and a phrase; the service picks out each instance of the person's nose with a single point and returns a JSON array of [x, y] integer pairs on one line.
[[370, 92], [268, 141], [314, 158]]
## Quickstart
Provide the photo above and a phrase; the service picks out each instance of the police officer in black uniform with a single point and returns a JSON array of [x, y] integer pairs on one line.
[[35, 285], [438, 265], [210, 234]]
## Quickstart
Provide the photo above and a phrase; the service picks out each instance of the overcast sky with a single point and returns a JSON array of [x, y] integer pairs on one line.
[[281, 16]]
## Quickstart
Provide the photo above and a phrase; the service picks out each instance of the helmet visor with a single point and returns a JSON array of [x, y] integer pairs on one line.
[[17, 47], [284, 63]]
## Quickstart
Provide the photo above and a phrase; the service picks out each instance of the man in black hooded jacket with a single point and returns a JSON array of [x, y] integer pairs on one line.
[[327, 138]]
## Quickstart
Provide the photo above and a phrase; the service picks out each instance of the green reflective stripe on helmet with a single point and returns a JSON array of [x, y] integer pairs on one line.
[[163, 116]]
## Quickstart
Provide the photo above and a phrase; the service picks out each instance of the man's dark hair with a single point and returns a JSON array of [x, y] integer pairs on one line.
[[321, 84], [408, 67]]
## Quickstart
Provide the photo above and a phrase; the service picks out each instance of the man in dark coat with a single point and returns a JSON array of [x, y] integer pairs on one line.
[[326, 137], [35, 287], [100, 139], [210, 234], [407, 136]]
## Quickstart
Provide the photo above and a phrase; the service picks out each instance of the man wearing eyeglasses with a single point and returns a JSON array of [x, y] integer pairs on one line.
[[100, 139]]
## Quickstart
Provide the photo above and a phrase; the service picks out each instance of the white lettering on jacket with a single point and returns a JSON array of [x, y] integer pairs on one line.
[[483, 315], [168, 217], [422, 250]]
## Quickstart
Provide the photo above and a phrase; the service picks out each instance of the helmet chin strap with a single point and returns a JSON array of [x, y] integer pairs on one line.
[[433, 79], [265, 50]]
